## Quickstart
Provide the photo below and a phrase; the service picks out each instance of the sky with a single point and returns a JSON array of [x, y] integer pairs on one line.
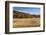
[[29, 10]]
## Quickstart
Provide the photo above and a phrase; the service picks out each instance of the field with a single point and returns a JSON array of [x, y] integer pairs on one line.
[[26, 22]]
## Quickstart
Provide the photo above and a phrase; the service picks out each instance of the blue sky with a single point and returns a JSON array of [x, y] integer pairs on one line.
[[29, 10]]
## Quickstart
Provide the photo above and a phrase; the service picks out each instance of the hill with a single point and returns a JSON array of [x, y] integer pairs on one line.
[[17, 14]]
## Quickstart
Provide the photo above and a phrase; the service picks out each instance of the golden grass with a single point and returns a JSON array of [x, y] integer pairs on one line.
[[26, 22]]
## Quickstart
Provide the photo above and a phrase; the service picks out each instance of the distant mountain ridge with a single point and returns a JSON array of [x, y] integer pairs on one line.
[[17, 14]]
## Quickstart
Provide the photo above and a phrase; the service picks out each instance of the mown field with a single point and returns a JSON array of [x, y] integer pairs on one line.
[[26, 22]]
